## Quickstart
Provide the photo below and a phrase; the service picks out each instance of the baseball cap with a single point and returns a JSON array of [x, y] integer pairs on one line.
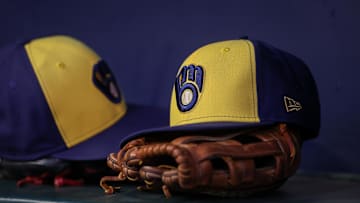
[[60, 99], [234, 84]]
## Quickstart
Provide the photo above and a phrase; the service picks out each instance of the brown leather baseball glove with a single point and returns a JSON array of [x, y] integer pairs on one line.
[[241, 163]]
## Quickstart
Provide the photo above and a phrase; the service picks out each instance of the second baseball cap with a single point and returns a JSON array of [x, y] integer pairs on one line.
[[60, 99], [241, 83]]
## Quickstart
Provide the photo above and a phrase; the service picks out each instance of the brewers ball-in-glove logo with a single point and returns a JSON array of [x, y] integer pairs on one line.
[[188, 86], [105, 81]]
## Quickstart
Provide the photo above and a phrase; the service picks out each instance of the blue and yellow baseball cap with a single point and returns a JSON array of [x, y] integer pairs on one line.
[[60, 99], [242, 83]]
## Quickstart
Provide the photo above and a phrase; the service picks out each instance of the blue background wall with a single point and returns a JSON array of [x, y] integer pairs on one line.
[[145, 42]]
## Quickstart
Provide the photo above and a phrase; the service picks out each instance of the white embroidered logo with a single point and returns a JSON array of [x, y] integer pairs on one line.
[[291, 104]]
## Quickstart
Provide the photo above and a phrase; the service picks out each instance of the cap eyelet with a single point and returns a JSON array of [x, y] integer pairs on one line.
[[61, 65], [226, 49]]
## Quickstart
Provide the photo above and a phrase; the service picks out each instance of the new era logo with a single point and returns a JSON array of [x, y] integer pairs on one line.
[[291, 104]]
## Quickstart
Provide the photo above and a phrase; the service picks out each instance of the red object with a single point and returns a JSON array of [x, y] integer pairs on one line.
[[35, 180], [61, 181]]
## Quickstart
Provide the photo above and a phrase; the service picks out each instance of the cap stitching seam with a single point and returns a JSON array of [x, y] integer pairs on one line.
[[215, 117], [252, 74]]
